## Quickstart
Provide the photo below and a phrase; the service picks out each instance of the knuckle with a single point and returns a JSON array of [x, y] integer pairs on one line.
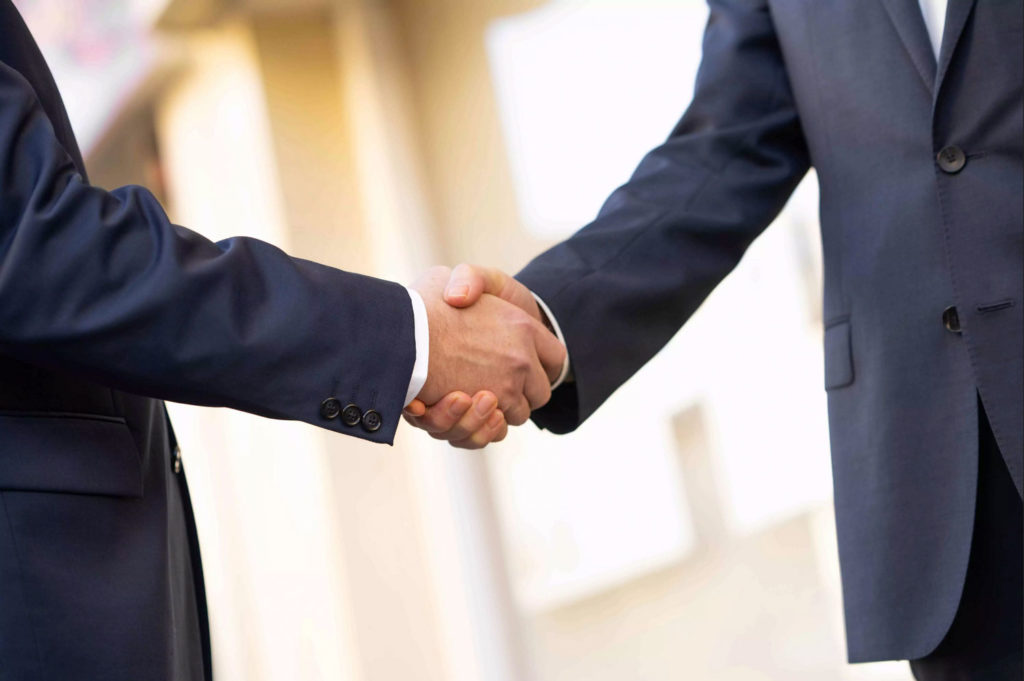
[[513, 317], [509, 403], [523, 322], [517, 417], [521, 360]]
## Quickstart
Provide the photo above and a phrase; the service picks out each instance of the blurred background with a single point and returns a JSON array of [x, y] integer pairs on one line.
[[685, 532]]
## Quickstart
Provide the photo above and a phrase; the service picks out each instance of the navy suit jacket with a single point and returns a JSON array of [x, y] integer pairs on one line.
[[852, 89], [104, 306]]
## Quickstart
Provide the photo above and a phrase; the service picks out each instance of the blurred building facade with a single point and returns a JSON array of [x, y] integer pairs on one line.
[[692, 539]]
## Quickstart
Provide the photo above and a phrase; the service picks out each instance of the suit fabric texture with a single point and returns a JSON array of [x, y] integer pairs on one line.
[[105, 309], [986, 638], [920, 169]]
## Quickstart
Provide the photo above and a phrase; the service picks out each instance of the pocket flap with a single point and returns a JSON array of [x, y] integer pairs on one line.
[[838, 355], [68, 453]]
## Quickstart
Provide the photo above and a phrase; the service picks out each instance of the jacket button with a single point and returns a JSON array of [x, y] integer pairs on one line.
[[951, 159], [371, 421], [351, 415], [951, 319], [330, 408], [177, 459]]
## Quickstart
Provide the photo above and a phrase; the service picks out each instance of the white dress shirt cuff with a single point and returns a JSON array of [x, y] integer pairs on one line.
[[553, 323], [422, 336]]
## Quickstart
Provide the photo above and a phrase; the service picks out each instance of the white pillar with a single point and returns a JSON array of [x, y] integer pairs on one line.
[[273, 566], [477, 619]]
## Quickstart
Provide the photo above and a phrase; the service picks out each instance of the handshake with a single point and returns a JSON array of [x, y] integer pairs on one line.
[[492, 358]]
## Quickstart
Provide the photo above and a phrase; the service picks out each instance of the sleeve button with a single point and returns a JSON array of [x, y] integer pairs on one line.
[[351, 415], [330, 408], [371, 421]]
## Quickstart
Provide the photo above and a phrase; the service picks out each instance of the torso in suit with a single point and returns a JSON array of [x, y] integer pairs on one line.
[[920, 168], [102, 302]]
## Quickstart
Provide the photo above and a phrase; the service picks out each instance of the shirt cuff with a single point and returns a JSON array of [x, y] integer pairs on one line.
[[422, 337], [553, 325]]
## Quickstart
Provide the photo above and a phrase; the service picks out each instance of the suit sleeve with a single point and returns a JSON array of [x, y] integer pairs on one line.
[[623, 285], [102, 285]]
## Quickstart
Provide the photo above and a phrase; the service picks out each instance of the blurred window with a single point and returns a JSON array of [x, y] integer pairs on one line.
[[584, 90], [99, 52]]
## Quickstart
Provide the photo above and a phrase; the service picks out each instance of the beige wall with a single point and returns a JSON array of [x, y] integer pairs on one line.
[[470, 186], [311, 138], [270, 541]]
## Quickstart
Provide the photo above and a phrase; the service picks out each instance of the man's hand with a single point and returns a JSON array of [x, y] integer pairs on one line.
[[467, 423], [468, 282], [491, 345], [452, 418]]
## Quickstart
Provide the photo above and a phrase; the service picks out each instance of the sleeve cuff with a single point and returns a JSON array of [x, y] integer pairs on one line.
[[553, 324], [422, 336]]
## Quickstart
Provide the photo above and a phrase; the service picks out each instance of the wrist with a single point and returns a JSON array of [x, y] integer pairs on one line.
[[565, 375], [421, 338]]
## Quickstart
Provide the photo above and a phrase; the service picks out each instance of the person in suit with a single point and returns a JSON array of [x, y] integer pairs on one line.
[[106, 308], [911, 114]]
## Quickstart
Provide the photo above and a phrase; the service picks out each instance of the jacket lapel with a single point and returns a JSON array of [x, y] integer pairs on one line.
[[906, 17], [956, 18]]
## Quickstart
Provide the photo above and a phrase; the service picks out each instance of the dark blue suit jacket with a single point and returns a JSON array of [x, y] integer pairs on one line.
[[853, 89], [102, 301]]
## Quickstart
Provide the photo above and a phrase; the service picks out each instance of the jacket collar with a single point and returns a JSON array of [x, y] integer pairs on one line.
[[956, 18], [906, 17]]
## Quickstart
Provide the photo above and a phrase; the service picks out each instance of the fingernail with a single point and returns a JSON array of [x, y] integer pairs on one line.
[[486, 404], [458, 406], [495, 420], [457, 291]]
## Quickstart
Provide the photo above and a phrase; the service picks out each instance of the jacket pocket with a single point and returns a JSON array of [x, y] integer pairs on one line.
[[838, 355], [71, 453]]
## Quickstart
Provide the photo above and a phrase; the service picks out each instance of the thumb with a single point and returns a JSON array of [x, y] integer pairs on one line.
[[416, 408], [468, 282]]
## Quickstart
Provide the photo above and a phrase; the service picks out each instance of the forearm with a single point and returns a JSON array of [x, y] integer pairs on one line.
[[101, 284], [623, 286]]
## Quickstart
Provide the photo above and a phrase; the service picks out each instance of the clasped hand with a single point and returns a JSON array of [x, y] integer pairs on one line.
[[488, 340]]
